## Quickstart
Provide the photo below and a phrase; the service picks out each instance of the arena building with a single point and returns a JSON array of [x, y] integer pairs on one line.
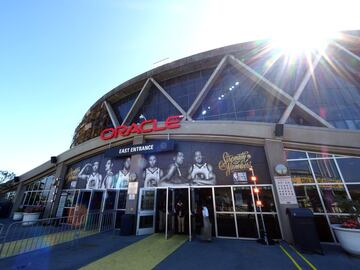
[[197, 130]]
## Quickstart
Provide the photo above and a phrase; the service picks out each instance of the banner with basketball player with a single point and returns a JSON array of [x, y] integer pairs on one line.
[[188, 163], [205, 164]]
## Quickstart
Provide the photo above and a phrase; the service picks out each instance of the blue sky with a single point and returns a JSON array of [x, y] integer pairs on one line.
[[58, 57]]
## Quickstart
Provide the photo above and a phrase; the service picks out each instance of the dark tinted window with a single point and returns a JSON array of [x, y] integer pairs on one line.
[[300, 172], [236, 97], [350, 169], [325, 171], [333, 94], [156, 106], [273, 65], [123, 106], [185, 89]]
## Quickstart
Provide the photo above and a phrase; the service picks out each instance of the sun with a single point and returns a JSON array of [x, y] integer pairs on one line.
[[299, 42]]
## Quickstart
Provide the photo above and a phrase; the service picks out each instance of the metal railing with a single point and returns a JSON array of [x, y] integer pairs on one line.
[[25, 236]]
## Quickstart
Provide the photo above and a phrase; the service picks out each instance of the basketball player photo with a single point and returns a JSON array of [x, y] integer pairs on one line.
[[109, 175], [174, 176], [94, 179], [121, 179], [152, 174], [201, 173]]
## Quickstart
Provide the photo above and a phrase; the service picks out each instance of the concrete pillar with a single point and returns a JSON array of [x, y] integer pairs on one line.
[[137, 169], [274, 151], [55, 192], [18, 197]]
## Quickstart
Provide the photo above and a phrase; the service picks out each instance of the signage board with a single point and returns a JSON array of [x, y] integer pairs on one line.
[[146, 148], [285, 190], [146, 126]]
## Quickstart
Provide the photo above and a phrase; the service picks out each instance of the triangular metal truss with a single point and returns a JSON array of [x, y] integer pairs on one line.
[[292, 102]]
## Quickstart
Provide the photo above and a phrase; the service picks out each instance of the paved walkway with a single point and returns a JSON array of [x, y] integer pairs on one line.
[[111, 251]]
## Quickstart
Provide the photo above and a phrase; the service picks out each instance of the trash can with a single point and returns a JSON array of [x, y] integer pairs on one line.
[[127, 226], [304, 231]]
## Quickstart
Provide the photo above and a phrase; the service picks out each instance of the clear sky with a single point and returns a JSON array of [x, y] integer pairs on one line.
[[58, 57]]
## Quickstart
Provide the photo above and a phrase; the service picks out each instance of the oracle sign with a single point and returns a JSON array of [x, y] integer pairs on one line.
[[145, 126]]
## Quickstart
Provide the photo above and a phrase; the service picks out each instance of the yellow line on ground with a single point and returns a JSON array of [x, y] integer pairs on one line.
[[143, 254], [29, 244], [290, 257], [302, 257]]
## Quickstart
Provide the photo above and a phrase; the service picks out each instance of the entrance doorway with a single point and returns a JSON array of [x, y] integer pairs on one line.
[[201, 197], [178, 212]]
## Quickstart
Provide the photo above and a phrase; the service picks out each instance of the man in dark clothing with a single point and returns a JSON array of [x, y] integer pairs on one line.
[[180, 213]]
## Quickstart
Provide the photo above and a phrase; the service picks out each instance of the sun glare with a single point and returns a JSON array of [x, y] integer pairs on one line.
[[302, 42]]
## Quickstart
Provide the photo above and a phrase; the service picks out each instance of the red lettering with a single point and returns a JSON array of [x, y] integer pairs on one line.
[[120, 130], [133, 129], [155, 128], [108, 134], [146, 126], [173, 121], [142, 126]]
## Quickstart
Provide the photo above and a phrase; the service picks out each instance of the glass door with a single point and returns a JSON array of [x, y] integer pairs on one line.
[[170, 213], [146, 212]]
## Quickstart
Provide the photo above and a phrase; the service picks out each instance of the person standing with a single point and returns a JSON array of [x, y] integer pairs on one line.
[[206, 229], [180, 213]]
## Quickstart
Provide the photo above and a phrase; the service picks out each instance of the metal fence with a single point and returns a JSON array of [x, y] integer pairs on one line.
[[25, 236]]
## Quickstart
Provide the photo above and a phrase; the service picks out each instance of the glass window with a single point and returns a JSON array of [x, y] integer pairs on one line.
[[236, 97], [147, 200], [122, 199], [333, 94], [223, 199], [155, 106], [273, 65], [69, 198], [319, 155], [246, 224], [271, 224], [266, 197], [123, 106], [325, 171], [146, 222], [300, 172], [184, 89], [294, 154], [331, 194], [44, 197], [308, 197], [226, 225], [323, 228], [110, 200], [349, 168], [243, 199], [354, 191]]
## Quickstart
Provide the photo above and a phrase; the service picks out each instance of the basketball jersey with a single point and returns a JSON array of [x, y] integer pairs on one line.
[[93, 181], [123, 180], [200, 172], [152, 178]]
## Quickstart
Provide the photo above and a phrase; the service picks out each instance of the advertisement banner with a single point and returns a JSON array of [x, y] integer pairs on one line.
[[171, 163]]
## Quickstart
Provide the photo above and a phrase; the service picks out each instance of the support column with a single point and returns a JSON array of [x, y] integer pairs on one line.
[[55, 192], [274, 150], [136, 168], [18, 197]]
